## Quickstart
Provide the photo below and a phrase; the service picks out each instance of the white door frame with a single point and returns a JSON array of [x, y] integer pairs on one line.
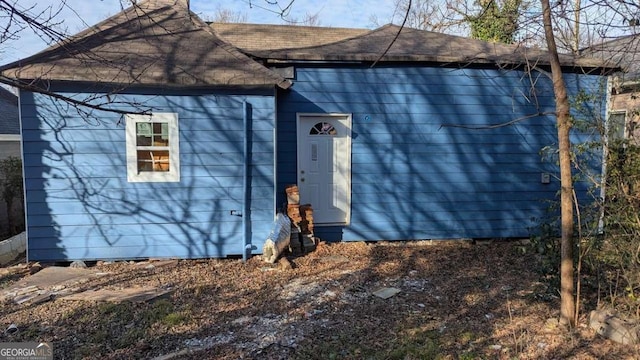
[[346, 156]]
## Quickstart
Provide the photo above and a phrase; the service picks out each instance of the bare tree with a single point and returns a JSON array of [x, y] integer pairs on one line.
[[567, 300], [17, 19], [47, 25], [227, 16], [308, 20], [433, 15]]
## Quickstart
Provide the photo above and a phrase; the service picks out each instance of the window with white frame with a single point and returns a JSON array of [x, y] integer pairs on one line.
[[153, 153], [616, 125]]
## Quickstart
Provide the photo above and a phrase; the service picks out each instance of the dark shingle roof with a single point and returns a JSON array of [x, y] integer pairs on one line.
[[9, 121], [251, 37], [420, 46], [623, 51], [156, 42]]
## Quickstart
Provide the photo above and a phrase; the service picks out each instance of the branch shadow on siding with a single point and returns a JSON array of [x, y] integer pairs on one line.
[[428, 159], [82, 206]]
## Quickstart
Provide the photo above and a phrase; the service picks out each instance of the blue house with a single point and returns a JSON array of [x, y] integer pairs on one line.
[[194, 130]]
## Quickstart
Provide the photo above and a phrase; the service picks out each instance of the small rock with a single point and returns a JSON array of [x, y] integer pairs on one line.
[[330, 294], [78, 264], [242, 320], [552, 324], [385, 293], [489, 316], [613, 327], [34, 268], [421, 305], [495, 347], [58, 288], [12, 329]]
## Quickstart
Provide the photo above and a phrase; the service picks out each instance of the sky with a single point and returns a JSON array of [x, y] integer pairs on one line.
[[77, 15]]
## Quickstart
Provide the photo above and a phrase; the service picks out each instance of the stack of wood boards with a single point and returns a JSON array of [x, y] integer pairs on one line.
[[302, 237]]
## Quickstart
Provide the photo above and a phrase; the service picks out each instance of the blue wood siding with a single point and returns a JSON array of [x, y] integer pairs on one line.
[[418, 171], [80, 205]]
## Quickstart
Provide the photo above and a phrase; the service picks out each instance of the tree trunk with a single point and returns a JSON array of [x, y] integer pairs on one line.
[[576, 27], [567, 300]]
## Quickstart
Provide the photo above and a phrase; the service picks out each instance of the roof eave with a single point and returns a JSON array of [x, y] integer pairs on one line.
[[488, 60], [44, 84]]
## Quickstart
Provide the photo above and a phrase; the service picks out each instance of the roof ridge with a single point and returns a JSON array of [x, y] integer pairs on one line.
[[322, 45], [282, 25], [238, 54], [125, 26]]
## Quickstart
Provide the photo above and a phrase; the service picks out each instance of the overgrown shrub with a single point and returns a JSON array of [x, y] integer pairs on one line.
[[619, 257], [607, 221], [12, 194]]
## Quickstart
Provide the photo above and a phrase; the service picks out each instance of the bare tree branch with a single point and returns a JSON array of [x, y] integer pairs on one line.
[[495, 126], [395, 38]]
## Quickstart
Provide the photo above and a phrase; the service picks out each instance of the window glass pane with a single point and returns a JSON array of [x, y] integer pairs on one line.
[[323, 128], [143, 141], [165, 131], [153, 160], [161, 160], [160, 134], [616, 126], [143, 134], [145, 162], [143, 128]]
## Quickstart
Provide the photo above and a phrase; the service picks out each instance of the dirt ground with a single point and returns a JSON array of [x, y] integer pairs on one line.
[[445, 300]]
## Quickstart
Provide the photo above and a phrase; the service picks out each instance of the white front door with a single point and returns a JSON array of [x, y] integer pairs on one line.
[[324, 166]]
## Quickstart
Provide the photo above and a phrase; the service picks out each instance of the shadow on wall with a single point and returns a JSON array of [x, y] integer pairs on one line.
[[427, 160], [81, 205]]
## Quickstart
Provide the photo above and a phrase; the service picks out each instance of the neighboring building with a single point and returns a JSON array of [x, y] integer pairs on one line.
[[9, 146], [9, 124], [402, 144], [624, 108]]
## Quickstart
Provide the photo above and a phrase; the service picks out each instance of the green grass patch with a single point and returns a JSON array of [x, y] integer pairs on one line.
[[416, 343]]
